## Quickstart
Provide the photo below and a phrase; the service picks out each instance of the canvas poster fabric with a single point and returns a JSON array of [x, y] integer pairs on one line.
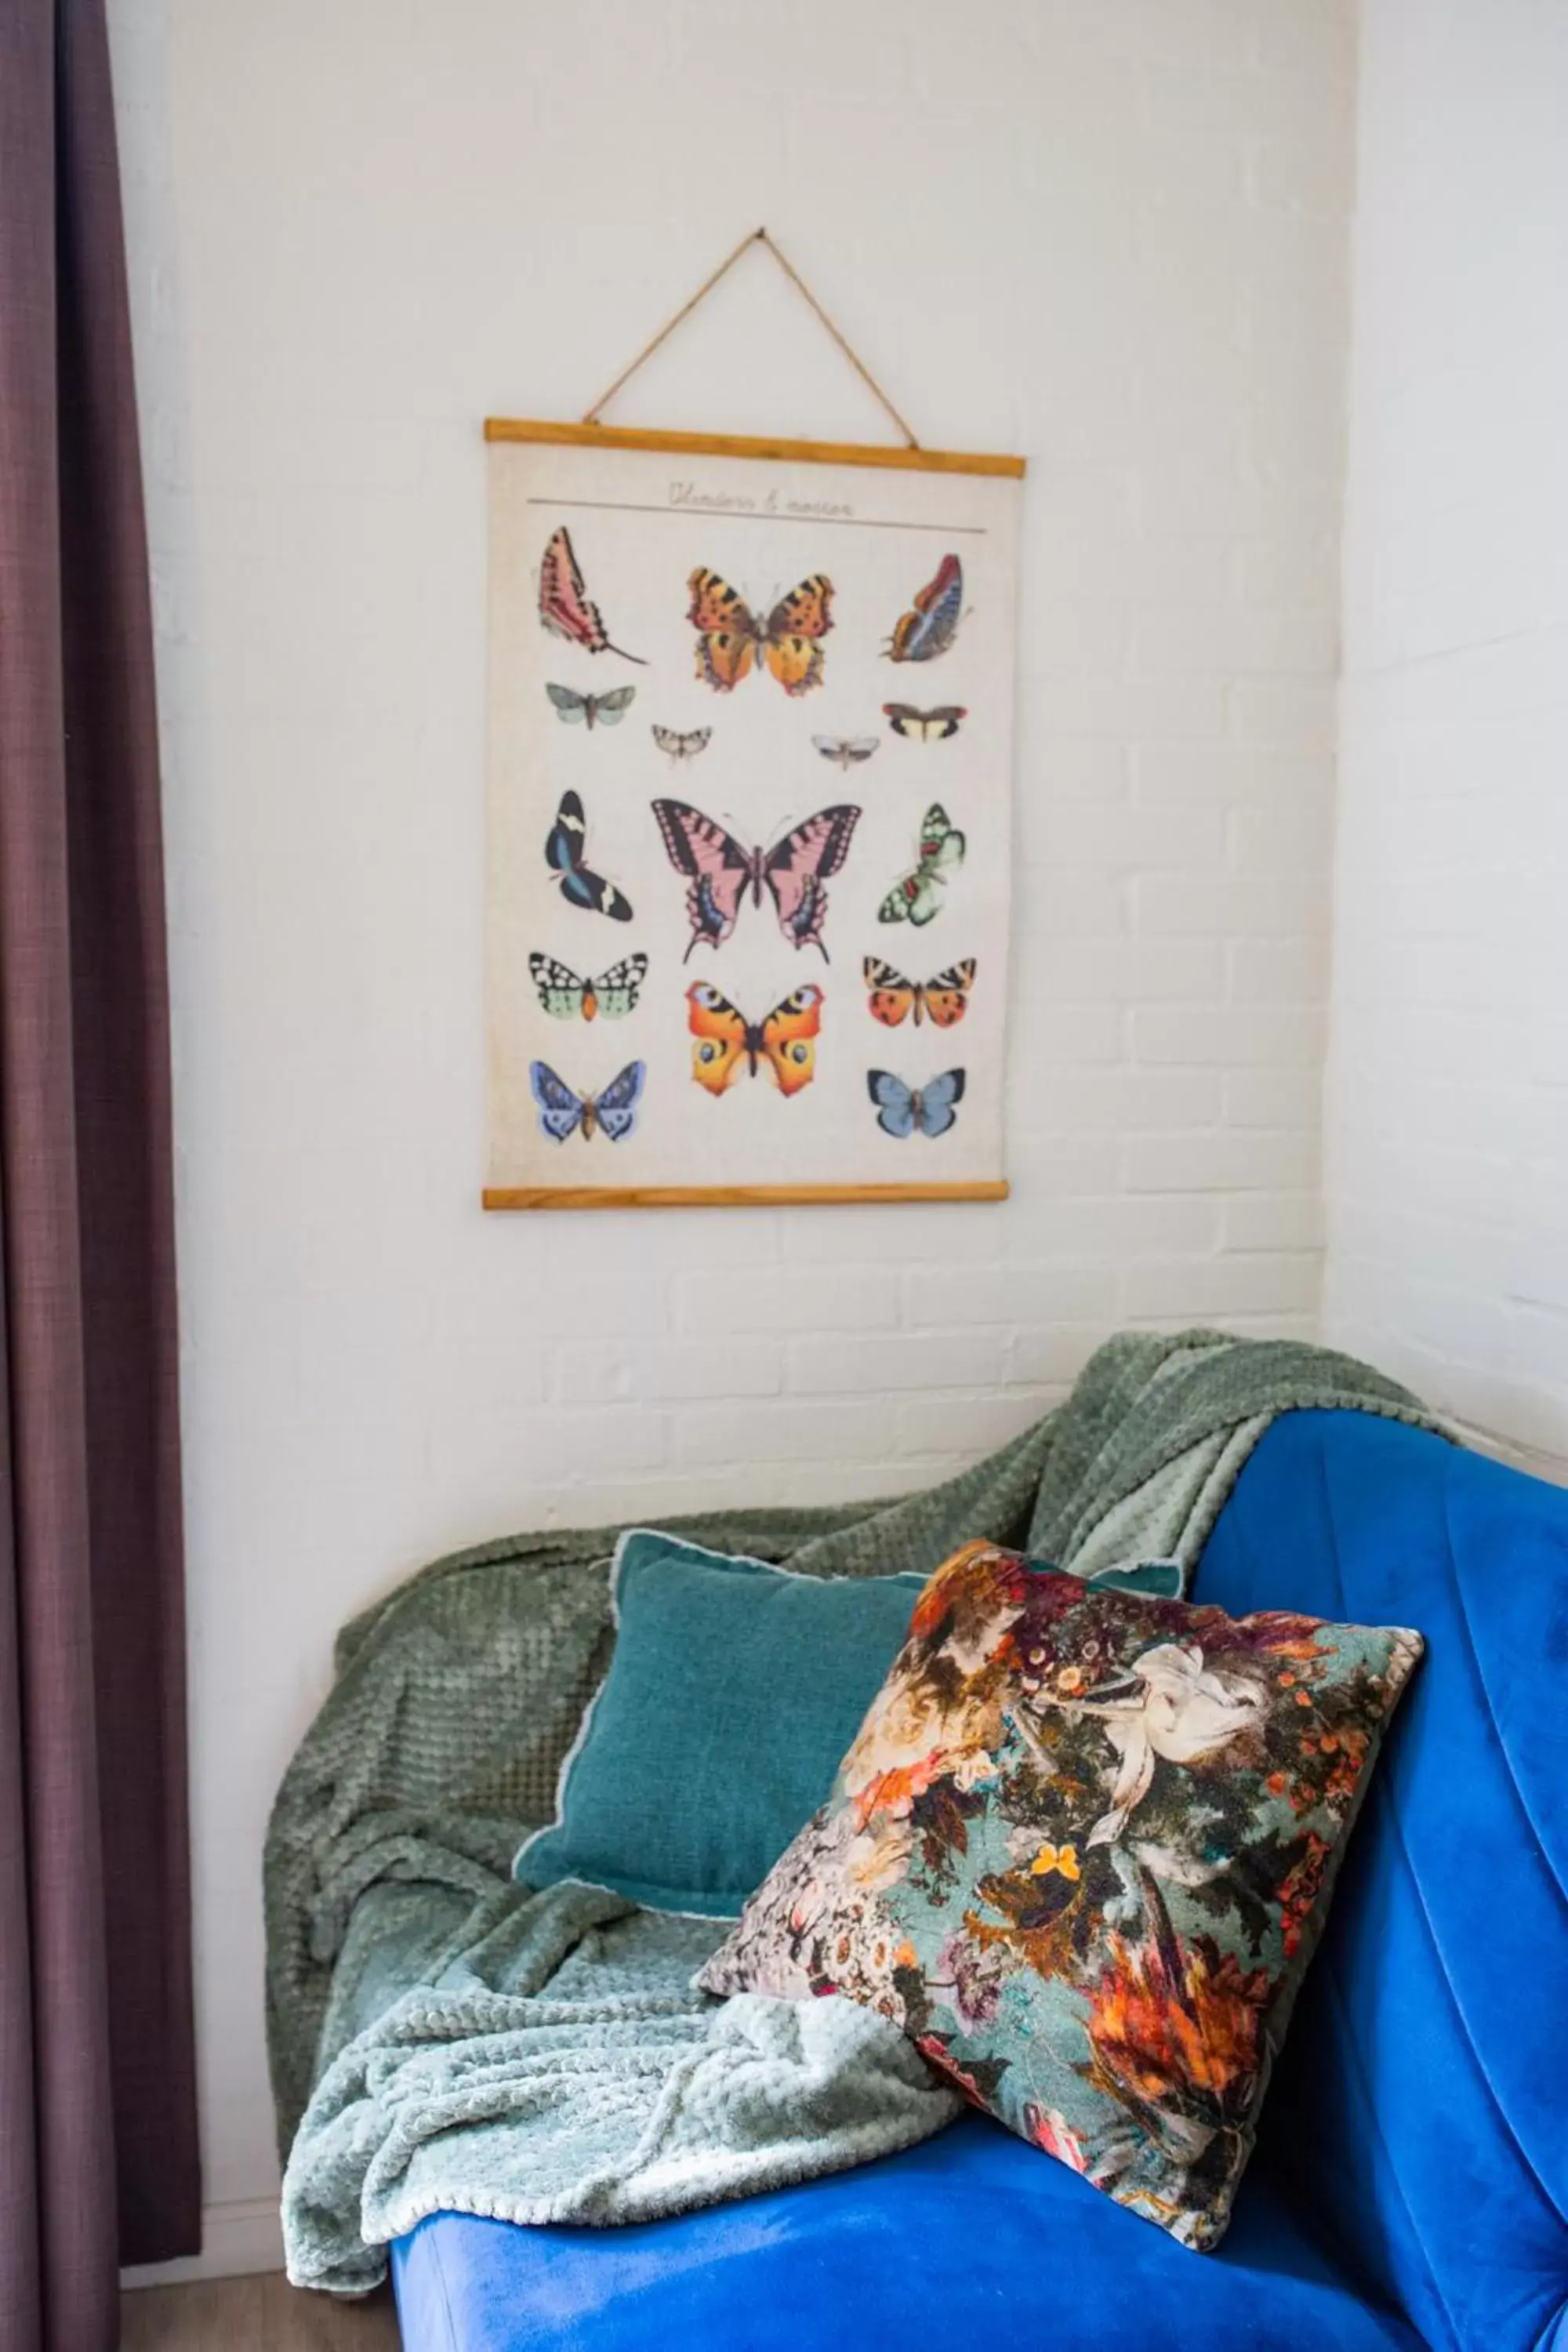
[[750, 817]]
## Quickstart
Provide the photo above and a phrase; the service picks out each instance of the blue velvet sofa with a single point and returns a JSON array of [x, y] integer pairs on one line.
[[1410, 2179]]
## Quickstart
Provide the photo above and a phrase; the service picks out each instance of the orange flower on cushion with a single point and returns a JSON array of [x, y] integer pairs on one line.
[[1279, 1634], [980, 1589], [894, 1791], [1158, 2036]]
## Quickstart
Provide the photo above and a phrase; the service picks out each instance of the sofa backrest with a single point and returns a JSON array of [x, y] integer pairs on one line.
[[1420, 2109]]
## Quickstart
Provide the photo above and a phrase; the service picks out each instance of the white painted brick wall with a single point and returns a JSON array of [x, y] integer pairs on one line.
[[1109, 233], [1447, 1096]]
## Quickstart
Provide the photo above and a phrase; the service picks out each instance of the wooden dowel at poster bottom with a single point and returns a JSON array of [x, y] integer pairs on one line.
[[729, 1196]]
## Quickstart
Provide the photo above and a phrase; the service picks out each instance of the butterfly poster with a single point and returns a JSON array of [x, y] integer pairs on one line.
[[749, 853]]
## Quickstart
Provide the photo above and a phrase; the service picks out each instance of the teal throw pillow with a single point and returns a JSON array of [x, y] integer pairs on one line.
[[734, 1690]]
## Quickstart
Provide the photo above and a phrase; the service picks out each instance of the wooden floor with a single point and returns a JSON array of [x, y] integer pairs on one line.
[[254, 2315]]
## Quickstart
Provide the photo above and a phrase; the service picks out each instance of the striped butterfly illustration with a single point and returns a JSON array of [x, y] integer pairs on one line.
[[564, 995], [941, 1000], [566, 854]]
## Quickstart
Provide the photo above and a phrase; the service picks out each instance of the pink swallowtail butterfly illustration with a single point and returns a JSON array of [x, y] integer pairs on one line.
[[721, 871]]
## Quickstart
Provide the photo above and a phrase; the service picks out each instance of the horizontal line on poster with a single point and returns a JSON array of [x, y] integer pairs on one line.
[[729, 514]]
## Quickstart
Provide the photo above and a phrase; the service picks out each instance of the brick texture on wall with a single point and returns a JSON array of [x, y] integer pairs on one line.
[[1448, 1092], [1110, 234]]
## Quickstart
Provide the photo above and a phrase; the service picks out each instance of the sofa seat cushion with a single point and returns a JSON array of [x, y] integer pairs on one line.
[[967, 2239]]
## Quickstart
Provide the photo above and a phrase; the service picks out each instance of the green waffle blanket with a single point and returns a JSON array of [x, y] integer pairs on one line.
[[388, 1853], [556, 2064]]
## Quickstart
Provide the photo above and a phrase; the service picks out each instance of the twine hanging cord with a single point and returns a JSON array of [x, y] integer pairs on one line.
[[755, 236]]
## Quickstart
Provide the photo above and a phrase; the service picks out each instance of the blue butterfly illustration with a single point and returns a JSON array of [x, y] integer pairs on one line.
[[565, 848], [562, 1111], [903, 1111], [930, 627]]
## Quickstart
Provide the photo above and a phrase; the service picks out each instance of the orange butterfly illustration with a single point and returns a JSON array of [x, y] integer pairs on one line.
[[782, 1039], [943, 1001], [730, 639]]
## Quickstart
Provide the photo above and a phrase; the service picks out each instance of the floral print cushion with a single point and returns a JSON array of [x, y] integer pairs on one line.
[[1080, 1851]]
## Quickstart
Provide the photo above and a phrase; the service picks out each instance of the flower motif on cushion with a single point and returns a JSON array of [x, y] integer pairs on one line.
[[1169, 1705], [973, 1975]]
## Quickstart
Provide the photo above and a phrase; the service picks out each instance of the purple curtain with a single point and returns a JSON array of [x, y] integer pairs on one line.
[[97, 2145]]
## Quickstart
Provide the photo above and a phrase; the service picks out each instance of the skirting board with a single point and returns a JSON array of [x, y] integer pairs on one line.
[[237, 2238]]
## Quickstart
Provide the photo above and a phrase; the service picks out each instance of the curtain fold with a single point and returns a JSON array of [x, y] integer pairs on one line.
[[97, 2138]]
